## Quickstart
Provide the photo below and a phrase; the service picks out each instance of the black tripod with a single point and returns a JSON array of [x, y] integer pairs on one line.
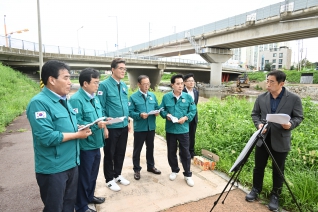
[[241, 160]]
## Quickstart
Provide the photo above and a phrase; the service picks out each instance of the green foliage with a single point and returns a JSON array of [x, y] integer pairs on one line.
[[224, 128], [268, 67], [16, 90], [291, 76]]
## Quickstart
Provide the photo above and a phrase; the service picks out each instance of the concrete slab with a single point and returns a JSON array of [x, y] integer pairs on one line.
[[155, 192]]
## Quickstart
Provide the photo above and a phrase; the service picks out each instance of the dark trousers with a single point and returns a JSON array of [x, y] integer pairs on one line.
[[58, 191], [261, 157], [172, 146], [139, 139], [87, 175], [114, 152], [192, 130]]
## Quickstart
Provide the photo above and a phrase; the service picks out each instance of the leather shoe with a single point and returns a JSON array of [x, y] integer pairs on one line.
[[154, 170], [98, 200], [90, 210], [137, 175]]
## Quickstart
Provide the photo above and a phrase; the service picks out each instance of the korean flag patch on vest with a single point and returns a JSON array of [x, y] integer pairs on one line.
[[75, 110], [40, 115], [99, 93]]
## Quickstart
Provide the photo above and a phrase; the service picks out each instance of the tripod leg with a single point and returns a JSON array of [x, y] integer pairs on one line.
[[216, 202], [235, 180], [281, 174]]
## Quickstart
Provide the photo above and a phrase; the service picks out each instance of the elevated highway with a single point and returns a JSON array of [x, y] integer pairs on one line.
[[28, 60]]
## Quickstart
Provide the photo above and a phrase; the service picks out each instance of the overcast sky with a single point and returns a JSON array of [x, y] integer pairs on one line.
[[61, 20]]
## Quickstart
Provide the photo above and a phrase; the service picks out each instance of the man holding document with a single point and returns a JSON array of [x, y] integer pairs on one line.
[[89, 112], [143, 108], [113, 96], [278, 100], [179, 111]]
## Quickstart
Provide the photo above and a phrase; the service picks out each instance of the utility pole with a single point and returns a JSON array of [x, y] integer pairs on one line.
[[40, 40], [149, 41]]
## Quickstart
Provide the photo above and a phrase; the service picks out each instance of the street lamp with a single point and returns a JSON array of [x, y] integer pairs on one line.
[[5, 30], [79, 51], [117, 30]]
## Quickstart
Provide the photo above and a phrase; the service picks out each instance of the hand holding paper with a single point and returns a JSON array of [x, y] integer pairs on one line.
[[116, 120], [155, 111], [173, 119], [278, 118], [90, 124]]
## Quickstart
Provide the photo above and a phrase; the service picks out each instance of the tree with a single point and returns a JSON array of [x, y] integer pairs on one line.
[[268, 67], [304, 63]]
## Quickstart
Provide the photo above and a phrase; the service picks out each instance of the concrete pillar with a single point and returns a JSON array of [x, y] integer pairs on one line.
[[153, 74], [216, 57], [216, 74]]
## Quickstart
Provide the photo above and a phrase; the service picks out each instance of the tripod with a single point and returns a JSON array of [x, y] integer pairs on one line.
[[241, 160]]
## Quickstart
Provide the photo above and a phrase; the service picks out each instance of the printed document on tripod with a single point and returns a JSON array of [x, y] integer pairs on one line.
[[246, 149], [279, 118]]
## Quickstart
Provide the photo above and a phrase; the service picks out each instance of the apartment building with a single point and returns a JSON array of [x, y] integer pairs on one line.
[[280, 58]]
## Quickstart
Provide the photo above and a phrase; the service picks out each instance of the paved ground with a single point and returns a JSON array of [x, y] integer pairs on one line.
[[19, 191]]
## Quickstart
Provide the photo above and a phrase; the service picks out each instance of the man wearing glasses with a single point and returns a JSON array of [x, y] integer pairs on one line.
[[140, 104], [194, 93], [113, 96], [88, 109]]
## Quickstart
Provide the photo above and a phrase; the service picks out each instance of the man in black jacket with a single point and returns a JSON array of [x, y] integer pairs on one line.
[[190, 89]]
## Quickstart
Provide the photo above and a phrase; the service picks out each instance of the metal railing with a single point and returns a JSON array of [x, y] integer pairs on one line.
[[74, 51], [255, 15]]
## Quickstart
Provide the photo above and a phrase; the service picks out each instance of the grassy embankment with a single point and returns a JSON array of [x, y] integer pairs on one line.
[[16, 90]]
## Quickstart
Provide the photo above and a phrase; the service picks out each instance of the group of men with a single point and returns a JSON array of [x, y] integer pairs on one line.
[[67, 147], [67, 153]]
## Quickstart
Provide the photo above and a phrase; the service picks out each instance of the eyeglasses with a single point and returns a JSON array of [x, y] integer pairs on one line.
[[190, 81], [96, 82], [146, 84], [122, 69]]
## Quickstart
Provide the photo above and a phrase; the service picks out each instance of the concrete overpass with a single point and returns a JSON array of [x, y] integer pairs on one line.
[[154, 67], [284, 21]]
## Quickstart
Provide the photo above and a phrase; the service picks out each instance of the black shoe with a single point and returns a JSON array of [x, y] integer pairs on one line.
[[137, 175], [253, 195], [90, 210], [273, 203], [154, 170], [98, 200]]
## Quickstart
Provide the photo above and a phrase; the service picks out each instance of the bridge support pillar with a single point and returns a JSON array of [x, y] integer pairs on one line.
[[215, 57], [154, 76]]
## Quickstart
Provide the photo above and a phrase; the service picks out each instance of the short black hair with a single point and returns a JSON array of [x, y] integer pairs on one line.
[[87, 74], [51, 69], [174, 77], [141, 77], [116, 61], [280, 76], [187, 76]]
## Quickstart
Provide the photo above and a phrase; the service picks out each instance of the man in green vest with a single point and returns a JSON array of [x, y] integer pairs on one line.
[[55, 139], [113, 96], [178, 109], [140, 104], [88, 109]]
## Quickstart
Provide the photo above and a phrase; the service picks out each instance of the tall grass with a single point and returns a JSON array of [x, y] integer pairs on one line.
[[16, 90]]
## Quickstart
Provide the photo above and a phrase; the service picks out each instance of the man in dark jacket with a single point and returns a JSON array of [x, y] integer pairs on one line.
[[189, 88], [278, 136]]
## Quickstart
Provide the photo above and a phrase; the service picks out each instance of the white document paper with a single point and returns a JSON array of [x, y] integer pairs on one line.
[[173, 119], [155, 111], [279, 118], [116, 120], [90, 124]]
